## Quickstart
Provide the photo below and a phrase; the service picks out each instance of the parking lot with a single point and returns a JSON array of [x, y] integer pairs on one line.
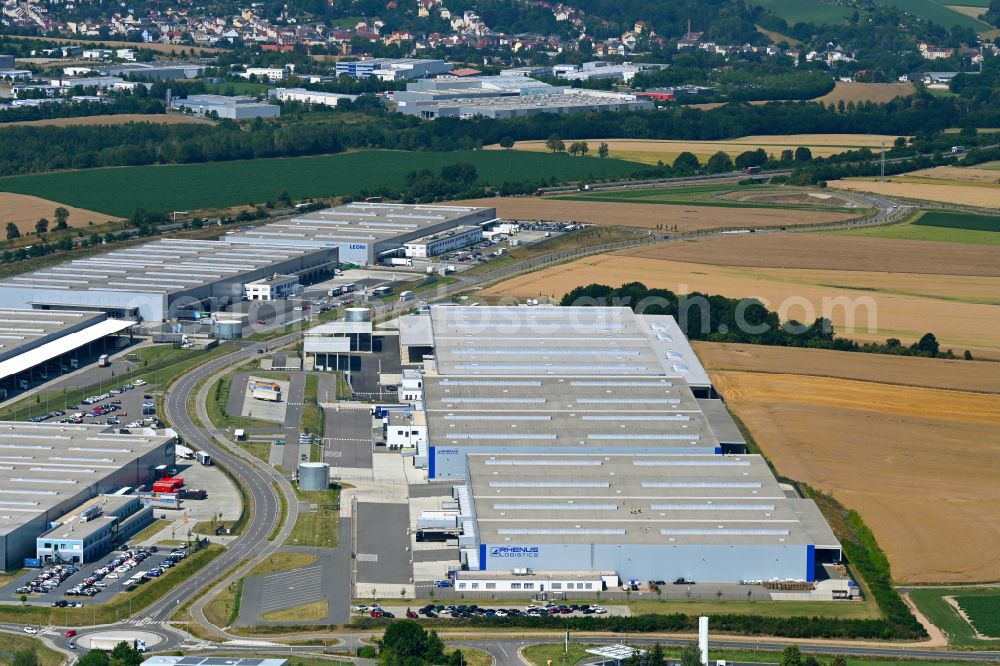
[[123, 405], [79, 584], [431, 610]]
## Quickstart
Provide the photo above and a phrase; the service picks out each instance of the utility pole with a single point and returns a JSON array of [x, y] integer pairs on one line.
[[883, 161]]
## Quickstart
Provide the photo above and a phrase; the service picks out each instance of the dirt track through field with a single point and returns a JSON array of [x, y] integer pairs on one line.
[[920, 465], [24, 210], [652, 216]]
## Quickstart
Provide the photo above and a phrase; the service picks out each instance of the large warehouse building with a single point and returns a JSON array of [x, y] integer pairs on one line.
[[48, 470], [364, 233], [154, 280], [700, 517], [585, 441], [35, 344]]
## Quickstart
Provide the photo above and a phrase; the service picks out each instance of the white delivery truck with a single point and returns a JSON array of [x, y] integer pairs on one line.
[[204, 458], [111, 642], [184, 452]]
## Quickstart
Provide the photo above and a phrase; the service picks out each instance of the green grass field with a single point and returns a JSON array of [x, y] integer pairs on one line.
[[700, 195], [855, 610], [955, 220], [319, 527], [932, 604], [816, 11], [944, 226], [983, 611], [120, 190], [939, 13]]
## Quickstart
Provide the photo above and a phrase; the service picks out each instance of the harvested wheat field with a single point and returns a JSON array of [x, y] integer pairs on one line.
[[832, 252], [863, 305], [117, 119], [939, 373], [969, 174], [650, 151], [24, 210], [919, 464], [651, 216], [971, 195], [866, 92]]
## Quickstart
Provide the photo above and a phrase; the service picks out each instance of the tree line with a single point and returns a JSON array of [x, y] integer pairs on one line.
[[29, 149], [717, 318]]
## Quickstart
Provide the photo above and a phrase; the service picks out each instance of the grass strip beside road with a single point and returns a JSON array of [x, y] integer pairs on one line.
[[118, 608], [148, 532], [314, 611], [284, 511], [833, 609], [319, 527], [12, 643], [224, 608], [472, 656], [282, 561], [312, 415], [298, 659]]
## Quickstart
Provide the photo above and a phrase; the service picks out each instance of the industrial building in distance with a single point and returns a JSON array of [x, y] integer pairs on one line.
[[154, 280], [35, 344], [505, 96], [364, 233], [392, 69], [51, 471], [587, 444], [239, 107]]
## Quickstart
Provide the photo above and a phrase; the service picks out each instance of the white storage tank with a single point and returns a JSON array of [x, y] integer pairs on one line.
[[229, 330], [357, 314], [314, 476]]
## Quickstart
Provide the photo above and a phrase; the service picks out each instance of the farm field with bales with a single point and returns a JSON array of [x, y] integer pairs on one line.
[[650, 215], [115, 119], [120, 190], [938, 225], [917, 462], [24, 210], [863, 305], [651, 151]]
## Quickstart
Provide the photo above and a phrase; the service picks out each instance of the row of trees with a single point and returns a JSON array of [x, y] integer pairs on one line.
[[33, 149], [747, 320]]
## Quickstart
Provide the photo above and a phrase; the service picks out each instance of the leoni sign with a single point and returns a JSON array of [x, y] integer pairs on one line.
[[514, 551], [358, 246]]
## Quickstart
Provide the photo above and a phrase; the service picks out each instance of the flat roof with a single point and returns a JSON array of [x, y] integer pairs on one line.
[[609, 498], [594, 412], [533, 575], [22, 328], [553, 100], [361, 222], [42, 465], [165, 266], [70, 526], [59, 346], [557, 341], [443, 235]]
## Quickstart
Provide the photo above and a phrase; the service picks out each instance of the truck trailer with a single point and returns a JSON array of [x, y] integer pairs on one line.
[[111, 642], [266, 394], [184, 452]]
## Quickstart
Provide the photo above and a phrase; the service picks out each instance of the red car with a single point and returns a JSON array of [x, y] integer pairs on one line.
[[412, 615], [71, 633], [377, 613]]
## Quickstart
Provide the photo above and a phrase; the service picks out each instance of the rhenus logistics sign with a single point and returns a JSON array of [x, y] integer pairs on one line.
[[514, 551]]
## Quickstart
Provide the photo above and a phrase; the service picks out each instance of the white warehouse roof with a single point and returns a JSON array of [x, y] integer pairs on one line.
[[60, 346]]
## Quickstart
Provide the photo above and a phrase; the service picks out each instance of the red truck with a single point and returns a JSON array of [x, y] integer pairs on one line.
[[168, 484]]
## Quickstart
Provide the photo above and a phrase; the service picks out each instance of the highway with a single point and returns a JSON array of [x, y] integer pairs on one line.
[[260, 482]]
